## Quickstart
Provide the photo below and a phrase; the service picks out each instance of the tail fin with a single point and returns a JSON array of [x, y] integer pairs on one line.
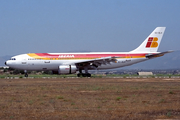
[[152, 42]]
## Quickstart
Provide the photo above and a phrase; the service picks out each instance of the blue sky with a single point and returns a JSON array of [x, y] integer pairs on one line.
[[28, 26]]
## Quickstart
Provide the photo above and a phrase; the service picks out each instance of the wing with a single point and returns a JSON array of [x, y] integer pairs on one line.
[[158, 54], [94, 63]]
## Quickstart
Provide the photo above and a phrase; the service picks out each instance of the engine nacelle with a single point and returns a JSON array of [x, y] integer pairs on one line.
[[67, 69]]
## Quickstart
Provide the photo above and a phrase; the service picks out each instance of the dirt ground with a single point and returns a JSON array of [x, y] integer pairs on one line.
[[89, 98]]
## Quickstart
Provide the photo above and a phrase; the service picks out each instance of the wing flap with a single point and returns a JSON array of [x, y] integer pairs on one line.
[[97, 62]]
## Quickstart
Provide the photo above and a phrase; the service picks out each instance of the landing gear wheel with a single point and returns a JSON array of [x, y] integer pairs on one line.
[[26, 75], [88, 75], [84, 75], [79, 75]]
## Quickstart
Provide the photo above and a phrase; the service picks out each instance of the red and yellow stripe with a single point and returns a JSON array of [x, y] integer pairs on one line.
[[47, 56]]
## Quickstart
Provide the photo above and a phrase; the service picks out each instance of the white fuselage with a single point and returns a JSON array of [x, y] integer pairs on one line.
[[26, 62]]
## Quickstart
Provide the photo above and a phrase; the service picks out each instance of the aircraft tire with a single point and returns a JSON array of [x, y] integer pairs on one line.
[[26, 75], [79, 75], [88, 75], [83, 75]]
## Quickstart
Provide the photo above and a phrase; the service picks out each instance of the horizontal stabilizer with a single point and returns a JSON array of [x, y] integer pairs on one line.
[[158, 54]]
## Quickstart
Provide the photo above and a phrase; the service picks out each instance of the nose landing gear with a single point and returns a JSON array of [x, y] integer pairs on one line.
[[25, 73]]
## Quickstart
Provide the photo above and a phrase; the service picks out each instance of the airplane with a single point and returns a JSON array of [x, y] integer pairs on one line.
[[70, 63]]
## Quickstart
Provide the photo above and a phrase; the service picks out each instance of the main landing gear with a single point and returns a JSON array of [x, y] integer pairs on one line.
[[86, 74]]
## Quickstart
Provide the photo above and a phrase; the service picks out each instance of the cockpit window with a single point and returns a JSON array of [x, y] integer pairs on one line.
[[13, 58]]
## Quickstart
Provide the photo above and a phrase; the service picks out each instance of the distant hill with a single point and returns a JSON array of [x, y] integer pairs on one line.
[[168, 61]]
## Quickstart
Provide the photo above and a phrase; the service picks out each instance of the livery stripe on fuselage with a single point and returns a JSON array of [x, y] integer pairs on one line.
[[76, 56]]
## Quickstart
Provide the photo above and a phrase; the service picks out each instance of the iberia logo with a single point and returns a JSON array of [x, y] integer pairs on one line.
[[152, 42]]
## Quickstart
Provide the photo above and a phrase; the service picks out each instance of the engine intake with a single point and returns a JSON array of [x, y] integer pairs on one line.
[[67, 69]]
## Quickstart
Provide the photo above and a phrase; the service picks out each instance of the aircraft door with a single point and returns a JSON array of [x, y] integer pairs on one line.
[[24, 61], [128, 57]]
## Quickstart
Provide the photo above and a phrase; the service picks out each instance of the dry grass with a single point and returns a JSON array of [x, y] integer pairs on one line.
[[89, 98]]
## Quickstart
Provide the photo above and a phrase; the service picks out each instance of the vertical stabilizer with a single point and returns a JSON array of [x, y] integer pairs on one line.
[[152, 42]]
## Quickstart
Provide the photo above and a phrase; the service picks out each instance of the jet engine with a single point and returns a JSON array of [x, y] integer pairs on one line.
[[67, 69]]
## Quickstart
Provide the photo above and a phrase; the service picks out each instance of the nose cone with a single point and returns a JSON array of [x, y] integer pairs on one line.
[[7, 63]]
